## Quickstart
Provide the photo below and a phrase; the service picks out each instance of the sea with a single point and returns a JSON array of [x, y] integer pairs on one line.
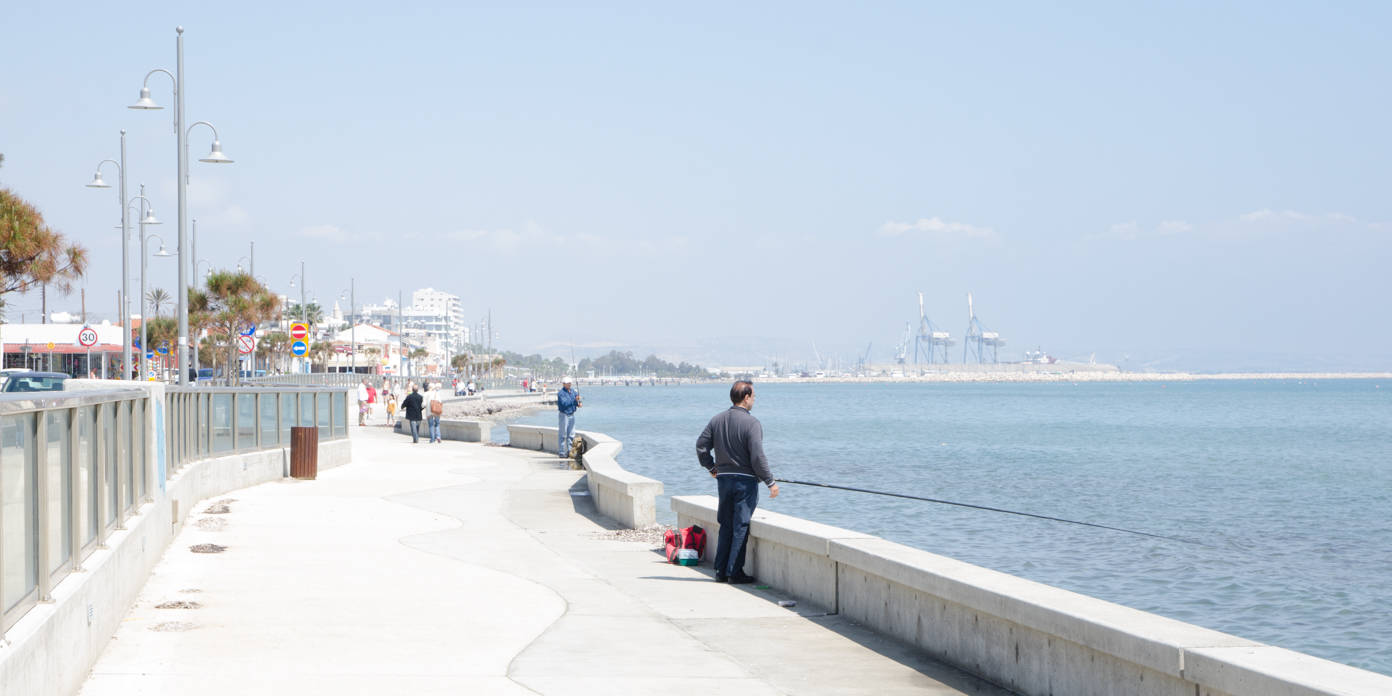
[[1280, 491]]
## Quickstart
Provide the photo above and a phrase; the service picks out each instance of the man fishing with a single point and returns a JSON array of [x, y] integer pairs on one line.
[[738, 465]]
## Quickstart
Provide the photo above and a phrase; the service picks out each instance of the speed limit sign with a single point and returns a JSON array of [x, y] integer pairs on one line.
[[87, 337]]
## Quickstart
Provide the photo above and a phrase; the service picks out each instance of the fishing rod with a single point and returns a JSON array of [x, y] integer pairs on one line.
[[983, 507]]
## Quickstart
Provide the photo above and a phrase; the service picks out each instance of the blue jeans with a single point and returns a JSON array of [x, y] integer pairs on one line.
[[434, 422], [565, 432], [739, 495], [415, 430]]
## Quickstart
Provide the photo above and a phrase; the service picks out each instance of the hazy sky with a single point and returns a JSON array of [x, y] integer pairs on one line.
[[1184, 184]]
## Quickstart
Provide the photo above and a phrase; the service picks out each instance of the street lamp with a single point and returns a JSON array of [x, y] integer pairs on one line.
[[214, 156], [300, 276], [353, 322], [147, 219], [125, 251], [144, 341]]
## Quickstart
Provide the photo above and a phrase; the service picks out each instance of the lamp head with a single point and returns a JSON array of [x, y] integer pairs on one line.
[[149, 218], [163, 252], [216, 156], [97, 181], [145, 101]]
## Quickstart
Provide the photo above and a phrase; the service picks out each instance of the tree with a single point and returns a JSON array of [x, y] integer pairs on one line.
[[31, 252], [321, 351], [276, 344], [162, 331], [232, 301], [159, 298], [314, 314]]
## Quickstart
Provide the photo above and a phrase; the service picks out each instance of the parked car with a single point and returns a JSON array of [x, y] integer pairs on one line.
[[33, 382]]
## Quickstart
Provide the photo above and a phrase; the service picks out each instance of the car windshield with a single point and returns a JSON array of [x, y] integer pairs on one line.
[[25, 383]]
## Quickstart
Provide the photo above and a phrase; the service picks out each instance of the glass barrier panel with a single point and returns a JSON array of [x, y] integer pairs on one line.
[[59, 491], [87, 472], [306, 409], [339, 413], [222, 422], [107, 432], [324, 407], [270, 430], [126, 462], [138, 447], [246, 421], [289, 410], [19, 520]]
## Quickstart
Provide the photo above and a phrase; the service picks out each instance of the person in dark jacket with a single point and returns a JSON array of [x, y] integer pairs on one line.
[[414, 404], [731, 448]]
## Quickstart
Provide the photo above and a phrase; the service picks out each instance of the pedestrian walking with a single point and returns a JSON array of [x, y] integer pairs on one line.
[[567, 400], [437, 409], [362, 402], [731, 448], [413, 405]]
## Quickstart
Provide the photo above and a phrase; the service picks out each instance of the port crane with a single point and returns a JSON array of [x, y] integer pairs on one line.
[[931, 344], [978, 338]]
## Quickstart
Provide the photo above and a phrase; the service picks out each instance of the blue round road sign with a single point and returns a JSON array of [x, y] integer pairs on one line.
[[299, 348]]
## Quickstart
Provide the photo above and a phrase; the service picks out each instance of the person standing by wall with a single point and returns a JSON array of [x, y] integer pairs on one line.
[[731, 448], [437, 409], [567, 400], [413, 404]]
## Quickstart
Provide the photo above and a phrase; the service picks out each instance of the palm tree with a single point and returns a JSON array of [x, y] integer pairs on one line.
[[158, 298], [232, 301]]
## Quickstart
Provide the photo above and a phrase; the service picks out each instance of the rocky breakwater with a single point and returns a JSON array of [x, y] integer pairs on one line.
[[495, 407]]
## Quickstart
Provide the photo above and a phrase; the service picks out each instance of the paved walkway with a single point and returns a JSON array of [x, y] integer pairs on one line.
[[464, 569]]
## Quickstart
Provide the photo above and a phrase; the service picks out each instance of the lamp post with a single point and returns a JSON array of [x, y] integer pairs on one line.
[[147, 219], [214, 156], [162, 253], [125, 251], [303, 317], [352, 323]]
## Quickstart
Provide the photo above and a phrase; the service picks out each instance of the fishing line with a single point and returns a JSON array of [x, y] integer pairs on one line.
[[991, 509]]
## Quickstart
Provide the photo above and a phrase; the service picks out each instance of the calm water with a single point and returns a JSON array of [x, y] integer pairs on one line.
[[1290, 483]]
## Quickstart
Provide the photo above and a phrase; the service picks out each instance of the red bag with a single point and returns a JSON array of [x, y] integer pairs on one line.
[[685, 547]]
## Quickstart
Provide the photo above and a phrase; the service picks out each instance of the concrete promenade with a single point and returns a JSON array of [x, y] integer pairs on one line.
[[460, 568]]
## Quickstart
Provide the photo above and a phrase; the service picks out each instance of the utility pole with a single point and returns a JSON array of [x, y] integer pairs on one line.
[[400, 332], [44, 295], [84, 306]]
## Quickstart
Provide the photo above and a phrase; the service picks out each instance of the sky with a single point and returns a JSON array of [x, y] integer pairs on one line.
[[1193, 186]]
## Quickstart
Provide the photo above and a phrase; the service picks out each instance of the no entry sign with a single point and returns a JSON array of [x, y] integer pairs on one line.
[[299, 331], [246, 344], [87, 337]]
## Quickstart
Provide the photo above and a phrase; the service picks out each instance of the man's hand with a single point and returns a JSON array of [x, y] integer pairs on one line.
[[712, 473], [773, 491]]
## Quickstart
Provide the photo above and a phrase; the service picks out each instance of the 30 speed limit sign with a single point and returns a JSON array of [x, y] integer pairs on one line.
[[87, 337]]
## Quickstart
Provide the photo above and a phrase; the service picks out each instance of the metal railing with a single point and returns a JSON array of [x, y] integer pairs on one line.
[[75, 466]]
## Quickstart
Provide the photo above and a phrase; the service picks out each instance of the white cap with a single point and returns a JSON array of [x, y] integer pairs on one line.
[[565, 380]]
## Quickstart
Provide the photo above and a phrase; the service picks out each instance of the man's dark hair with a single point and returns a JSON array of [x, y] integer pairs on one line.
[[741, 391]]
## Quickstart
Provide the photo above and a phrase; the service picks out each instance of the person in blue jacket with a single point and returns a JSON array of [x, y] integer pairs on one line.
[[567, 400]]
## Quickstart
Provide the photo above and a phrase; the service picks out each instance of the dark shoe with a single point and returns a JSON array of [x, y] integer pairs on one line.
[[741, 579], [721, 578]]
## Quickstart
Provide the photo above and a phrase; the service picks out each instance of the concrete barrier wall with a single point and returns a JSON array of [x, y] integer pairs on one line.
[[1025, 636], [627, 497], [51, 649], [461, 429]]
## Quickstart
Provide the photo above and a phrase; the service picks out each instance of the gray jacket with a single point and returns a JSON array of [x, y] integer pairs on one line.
[[737, 439]]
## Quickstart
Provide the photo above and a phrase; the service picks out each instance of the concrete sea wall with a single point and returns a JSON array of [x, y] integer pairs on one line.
[[620, 494], [1028, 637]]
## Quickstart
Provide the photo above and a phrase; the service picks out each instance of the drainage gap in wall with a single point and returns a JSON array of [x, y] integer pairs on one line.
[[207, 548], [211, 524]]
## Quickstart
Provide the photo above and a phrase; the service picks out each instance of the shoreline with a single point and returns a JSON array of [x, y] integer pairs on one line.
[[1085, 376]]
